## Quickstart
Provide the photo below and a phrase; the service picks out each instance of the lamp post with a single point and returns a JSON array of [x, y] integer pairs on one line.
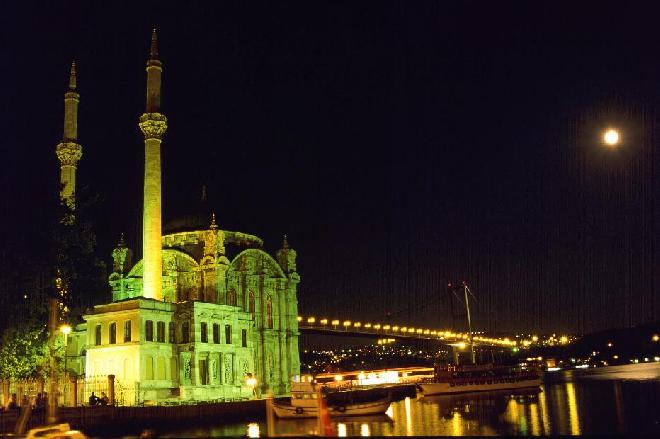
[[66, 330]]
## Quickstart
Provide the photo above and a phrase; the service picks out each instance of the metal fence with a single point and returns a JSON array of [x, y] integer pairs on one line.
[[70, 392]]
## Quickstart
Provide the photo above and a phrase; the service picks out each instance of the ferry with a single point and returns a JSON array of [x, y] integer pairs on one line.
[[478, 378], [304, 402], [449, 379]]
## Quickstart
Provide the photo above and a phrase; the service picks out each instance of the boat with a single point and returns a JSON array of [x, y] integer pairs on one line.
[[304, 402], [478, 378], [455, 378]]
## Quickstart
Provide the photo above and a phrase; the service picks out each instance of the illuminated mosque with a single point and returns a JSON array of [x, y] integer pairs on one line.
[[186, 322]]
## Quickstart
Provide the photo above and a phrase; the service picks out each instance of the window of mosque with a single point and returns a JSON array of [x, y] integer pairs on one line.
[[160, 332], [185, 332], [216, 333], [127, 331], [231, 297], [269, 312], [203, 372], [204, 332], [149, 330], [228, 334], [251, 303], [149, 369], [244, 338], [113, 333], [97, 335], [172, 332]]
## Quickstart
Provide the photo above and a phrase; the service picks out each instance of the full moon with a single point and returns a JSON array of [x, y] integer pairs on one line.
[[611, 137]]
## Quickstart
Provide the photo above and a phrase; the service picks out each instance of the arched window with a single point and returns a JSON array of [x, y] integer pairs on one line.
[[161, 372], [149, 330], [251, 303], [172, 332], [185, 332], [97, 335], [269, 312], [231, 297], [127, 331], [113, 333], [149, 363]]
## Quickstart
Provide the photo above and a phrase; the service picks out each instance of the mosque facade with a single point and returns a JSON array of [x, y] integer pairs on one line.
[[207, 314]]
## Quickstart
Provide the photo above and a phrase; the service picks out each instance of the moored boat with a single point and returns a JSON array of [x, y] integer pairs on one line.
[[304, 402], [379, 407], [478, 378]]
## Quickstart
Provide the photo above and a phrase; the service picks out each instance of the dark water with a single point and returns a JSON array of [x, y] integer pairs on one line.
[[612, 400]]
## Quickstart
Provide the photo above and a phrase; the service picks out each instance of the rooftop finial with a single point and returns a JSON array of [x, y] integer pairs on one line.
[[285, 242], [72, 76], [121, 240], [153, 52], [213, 225]]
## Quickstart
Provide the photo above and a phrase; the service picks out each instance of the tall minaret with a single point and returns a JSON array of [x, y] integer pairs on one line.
[[153, 125], [68, 150]]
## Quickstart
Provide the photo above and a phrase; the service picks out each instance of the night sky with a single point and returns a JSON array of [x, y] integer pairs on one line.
[[400, 145]]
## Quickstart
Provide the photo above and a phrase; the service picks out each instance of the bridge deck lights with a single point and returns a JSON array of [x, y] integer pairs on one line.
[[335, 322], [300, 319], [347, 323], [367, 325], [387, 327], [377, 326], [357, 324], [311, 319]]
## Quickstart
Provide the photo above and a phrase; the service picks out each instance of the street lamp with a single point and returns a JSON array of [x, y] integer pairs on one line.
[[251, 382]]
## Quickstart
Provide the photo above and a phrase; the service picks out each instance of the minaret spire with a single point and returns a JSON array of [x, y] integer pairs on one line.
[[153, 125], [153, 51], [72, 76], [68, 151]]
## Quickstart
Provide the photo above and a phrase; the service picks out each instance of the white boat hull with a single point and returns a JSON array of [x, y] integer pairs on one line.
[[356, 409], [503, 384]]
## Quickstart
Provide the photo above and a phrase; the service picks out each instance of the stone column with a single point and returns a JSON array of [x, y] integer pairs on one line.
[[74, 392], [111, 389]]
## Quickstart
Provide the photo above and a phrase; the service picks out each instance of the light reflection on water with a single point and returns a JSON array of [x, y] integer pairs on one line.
[[566, 404]]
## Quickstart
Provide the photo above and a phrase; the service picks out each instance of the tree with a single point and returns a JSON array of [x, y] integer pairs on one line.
[[24, 352]]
